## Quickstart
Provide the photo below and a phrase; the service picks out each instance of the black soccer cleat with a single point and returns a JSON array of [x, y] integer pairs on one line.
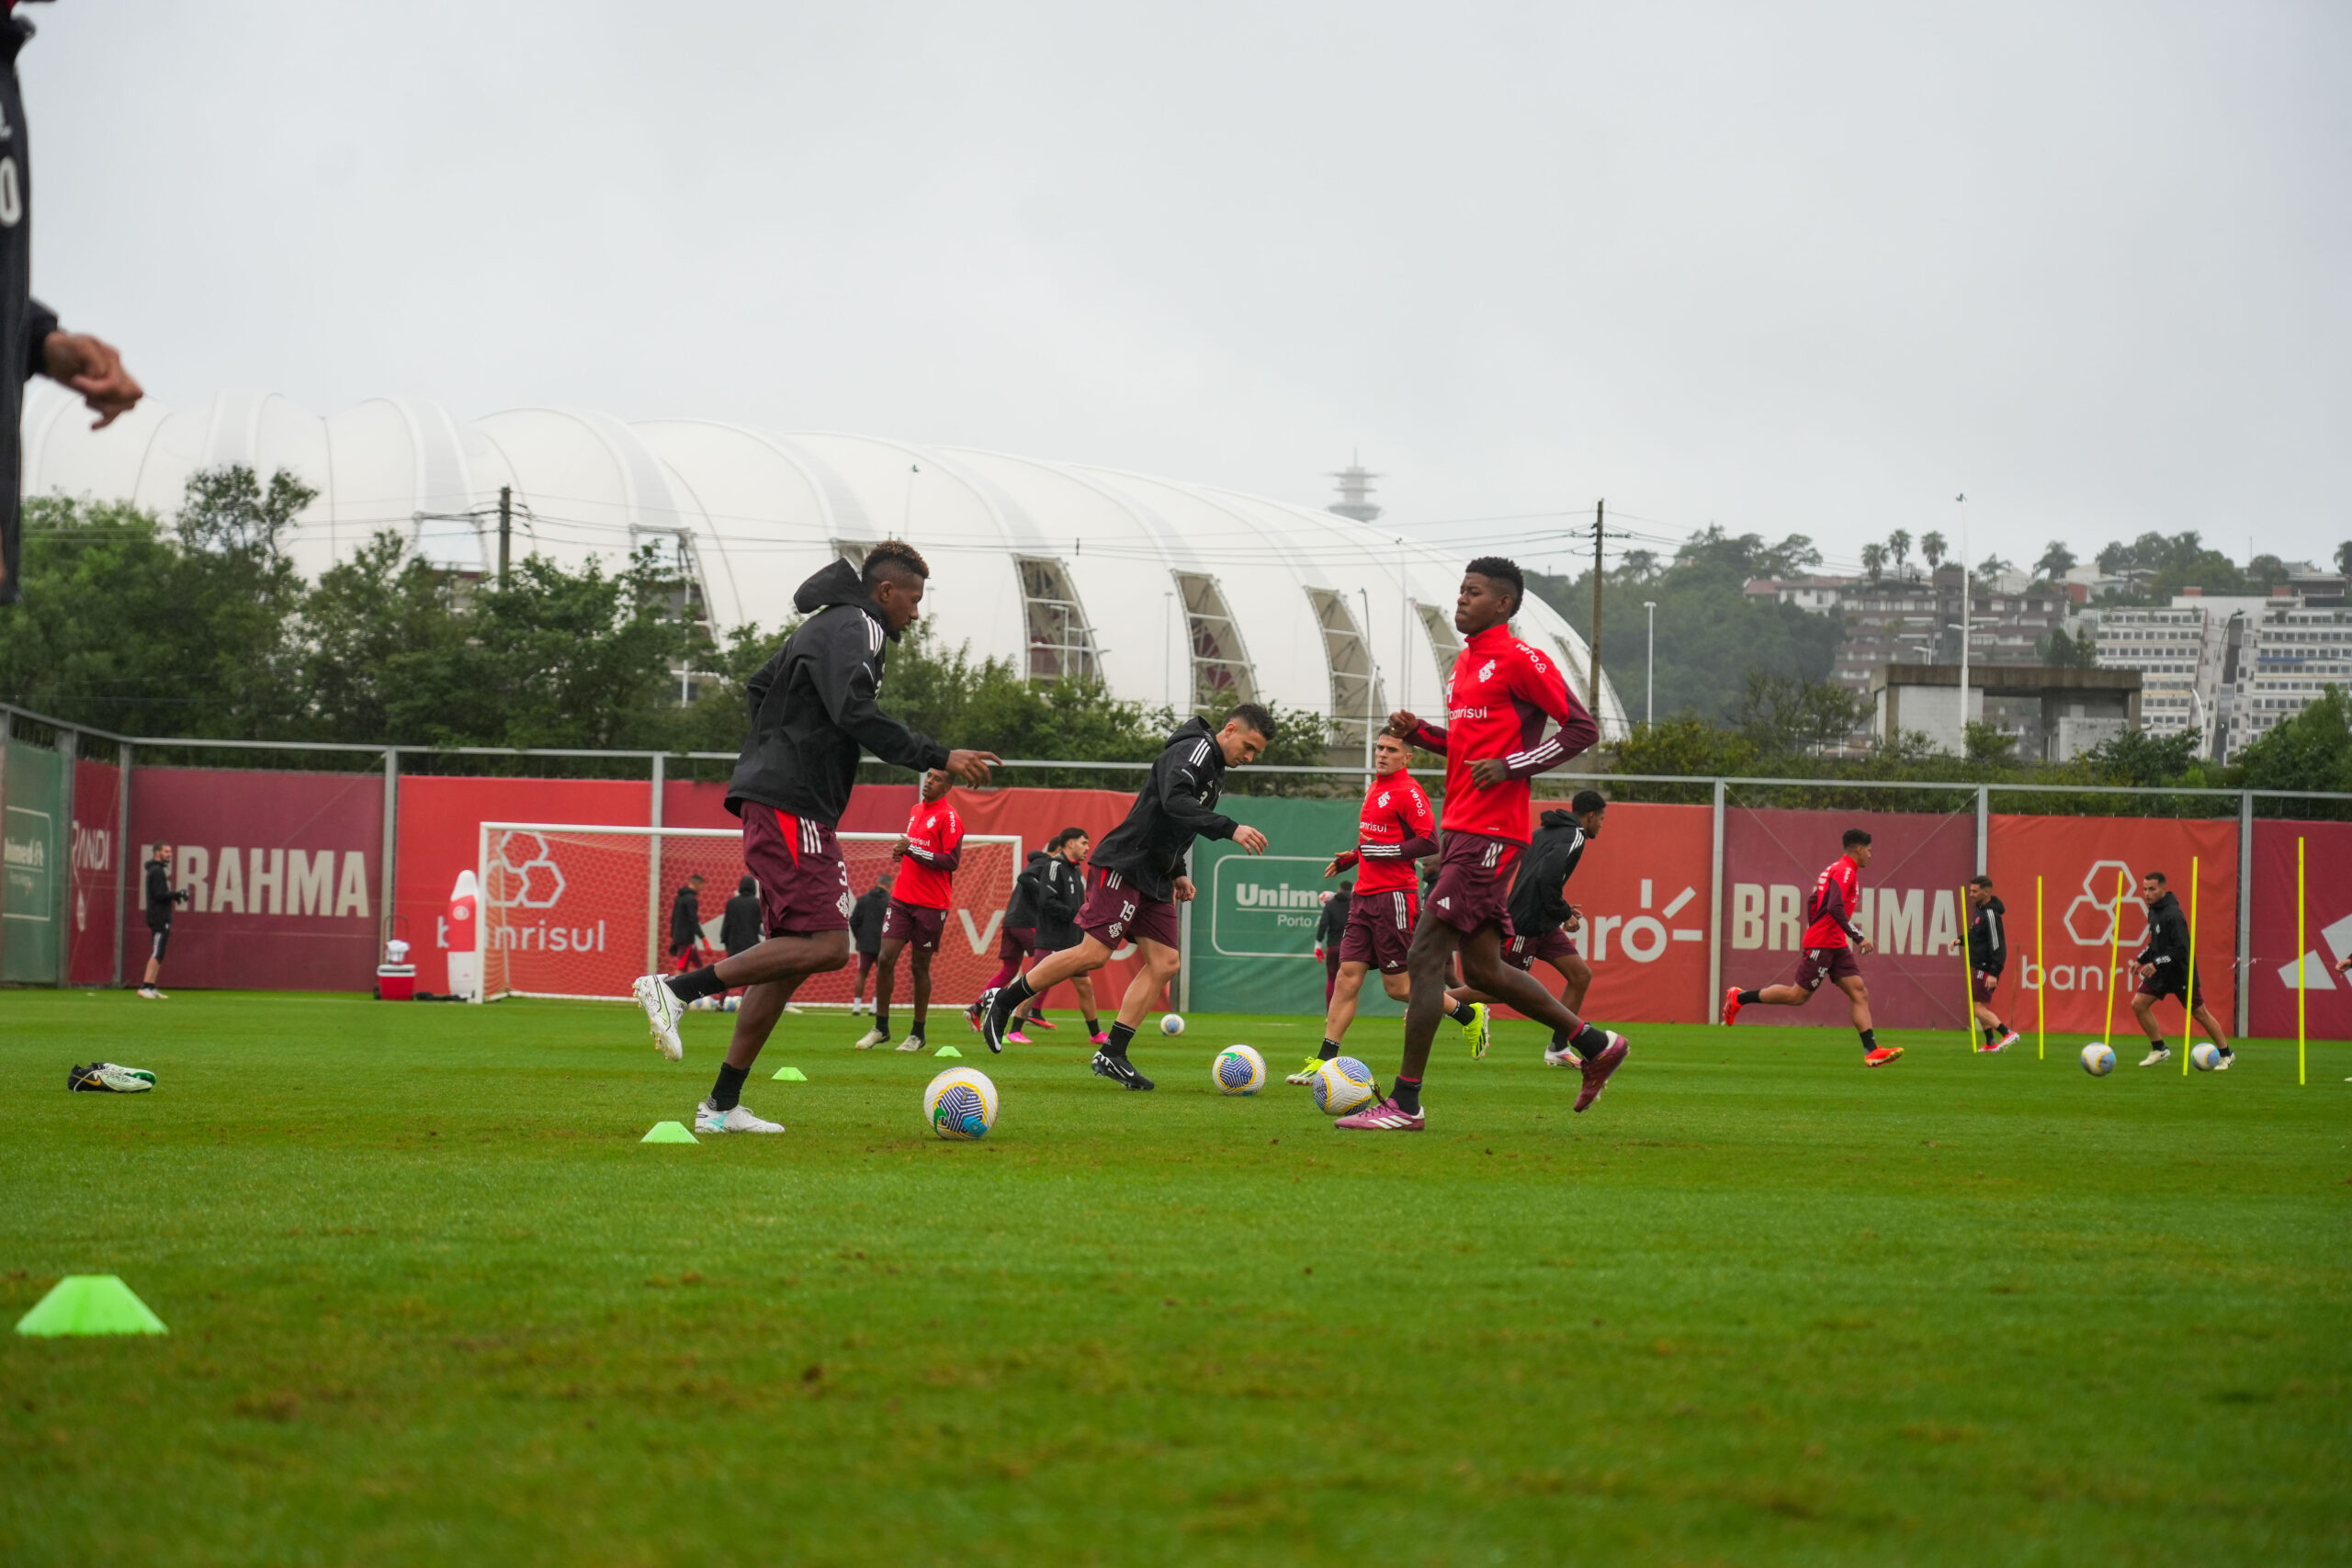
[[1119, 1070], [994, 1019]]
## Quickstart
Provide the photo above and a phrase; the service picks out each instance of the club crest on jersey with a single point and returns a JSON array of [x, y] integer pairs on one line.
[[1486, 672], [1383, 797]]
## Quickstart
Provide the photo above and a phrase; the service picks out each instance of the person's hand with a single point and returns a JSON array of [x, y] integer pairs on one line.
[[2344, 966], [1184, 890], [1488, 771], [1403, 722], [1250, 838], [973, 767], [1340, 862], [1574, 920], [92, 367], [1865, 945], [898, 850]]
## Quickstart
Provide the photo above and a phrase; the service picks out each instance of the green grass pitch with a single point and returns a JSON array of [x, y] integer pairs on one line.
[[431, 1301]]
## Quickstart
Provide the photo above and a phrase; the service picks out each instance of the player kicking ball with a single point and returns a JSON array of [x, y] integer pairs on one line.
[[1397, 830], [1830, 942], [1137, 879], [813, 710], [916, 916], [1501, 692], [1541, 918], [2162, 967], [1988, 954]]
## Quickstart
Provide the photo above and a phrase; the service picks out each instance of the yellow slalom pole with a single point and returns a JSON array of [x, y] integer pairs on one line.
[[2189, 1002], [1967, 976], [2114, 946], [2302, 962], [2040, 992]]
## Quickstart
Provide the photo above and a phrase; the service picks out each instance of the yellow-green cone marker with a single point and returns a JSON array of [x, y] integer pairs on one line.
[[792, 1075], [947, 1050], [669, 1133], [90, 1303]]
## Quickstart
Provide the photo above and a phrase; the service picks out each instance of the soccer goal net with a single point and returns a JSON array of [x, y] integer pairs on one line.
[[580, 911]]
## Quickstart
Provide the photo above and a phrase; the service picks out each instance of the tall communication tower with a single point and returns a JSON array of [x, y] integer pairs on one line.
[[1355, 490]]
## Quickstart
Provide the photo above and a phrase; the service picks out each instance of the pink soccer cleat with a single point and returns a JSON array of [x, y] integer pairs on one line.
[[1100, 1037], [1382, 1118], [1731, 1005], [1597, 1071], [1016, 1038]]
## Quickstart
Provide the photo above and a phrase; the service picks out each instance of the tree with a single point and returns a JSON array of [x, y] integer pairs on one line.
[[1874, 560], [2344, 558], [2063, 652], [1991, 567], [2311, 751], [2056, 561], [1639, 565], [2136, 756], [1780, 714], [1931, 545], [1898, 544]]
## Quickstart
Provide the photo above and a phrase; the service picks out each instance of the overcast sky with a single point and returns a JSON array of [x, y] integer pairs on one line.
[[1788, 268]]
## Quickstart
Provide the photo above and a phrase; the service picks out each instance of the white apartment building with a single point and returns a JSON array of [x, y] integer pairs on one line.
[[2181, 654], [2295, 654]]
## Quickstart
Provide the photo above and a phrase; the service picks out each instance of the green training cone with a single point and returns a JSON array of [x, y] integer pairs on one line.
[[792, 1075], [90, 1303], [947, 1051], [669, 1133]]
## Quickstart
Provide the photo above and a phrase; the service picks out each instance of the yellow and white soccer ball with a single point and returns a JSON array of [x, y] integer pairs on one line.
[[2098, 1060], [960, 1103], [2206, 1055], [1170, 1025], [1342, 1087], [1238, 1069]]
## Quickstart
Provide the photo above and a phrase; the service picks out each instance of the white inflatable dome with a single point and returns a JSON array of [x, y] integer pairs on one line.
[[1171, 592]]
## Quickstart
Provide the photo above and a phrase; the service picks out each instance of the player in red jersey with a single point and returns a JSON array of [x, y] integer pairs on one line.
[[927, 854], [1830, 943], [1396, 831], [1493, 741]]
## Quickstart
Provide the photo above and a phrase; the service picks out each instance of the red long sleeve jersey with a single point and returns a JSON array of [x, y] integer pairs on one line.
[[1836, 900], [934, 845], [1397, 813], [1501, 692]]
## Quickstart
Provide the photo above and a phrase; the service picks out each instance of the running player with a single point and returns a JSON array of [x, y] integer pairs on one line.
[[916, 917], [865, 931], [1137, 879], [1501, 692], [1830, 943], [1988, 954], [1541, 916], [1394, 831], [2162, 970], [1064, 895], [812, 709]]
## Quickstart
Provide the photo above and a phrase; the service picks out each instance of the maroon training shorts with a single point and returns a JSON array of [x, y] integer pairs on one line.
[[1981, 985], [1474, 878], [1115, 912], [1380, 929], [921, 925], [804, 885], [1552, 946], [1017, 943], [2169, 982], [1827, 963]]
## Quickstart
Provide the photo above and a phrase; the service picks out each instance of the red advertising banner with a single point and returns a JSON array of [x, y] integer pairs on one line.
[[282, 871], [91, 926], [2079, 860], [1642, 887], [1910, 909], [2326, 930]]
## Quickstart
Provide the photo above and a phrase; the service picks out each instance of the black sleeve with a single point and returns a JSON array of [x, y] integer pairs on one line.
[[1068, 894], [39, 321], [847, 680], [1179, 790]]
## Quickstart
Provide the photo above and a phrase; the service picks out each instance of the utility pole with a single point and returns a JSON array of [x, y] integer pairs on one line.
[[506, 529], [1961, 500], [1592, 690]]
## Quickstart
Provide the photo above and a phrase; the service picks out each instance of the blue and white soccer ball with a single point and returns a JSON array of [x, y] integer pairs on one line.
[[2098, 1060], [1238, 1069], [960, 1103], [1342, 1087], [2206, 1055], [1170, 1025]]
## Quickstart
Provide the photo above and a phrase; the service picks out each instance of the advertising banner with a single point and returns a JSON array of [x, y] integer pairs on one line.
[[1253, 924], [282, 871], [2326, 930], [2079, 860], [32, 866], [1910, 909], [91, 926]]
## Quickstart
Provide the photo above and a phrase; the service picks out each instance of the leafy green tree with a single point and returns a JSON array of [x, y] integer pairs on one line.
[[2137, 757], [1780, 714], [2311, 751], [1933, 546], [2344, 558], [1874, 560], [1898, 546], [2063, 652], [2056, 561]]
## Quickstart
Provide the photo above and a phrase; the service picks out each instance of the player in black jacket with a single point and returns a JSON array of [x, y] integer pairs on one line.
[[865, 931], [1988, 956], [685, 924], [1138, 879], [1328, 929], [1541, 918], [813, 708], [2162, 967], [161, 900]]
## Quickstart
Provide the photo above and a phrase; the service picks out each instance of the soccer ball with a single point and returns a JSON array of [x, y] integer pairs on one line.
[[2098, 1060], [1238, 1069], [960, 1103], [732, 1004], [1170, 1025], [1342, 1086], [2206, 1055]]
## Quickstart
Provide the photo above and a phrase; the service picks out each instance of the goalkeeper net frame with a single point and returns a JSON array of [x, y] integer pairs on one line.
[[579, 910]]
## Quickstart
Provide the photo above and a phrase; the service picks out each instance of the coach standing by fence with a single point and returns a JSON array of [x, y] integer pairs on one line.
[[30, 344]]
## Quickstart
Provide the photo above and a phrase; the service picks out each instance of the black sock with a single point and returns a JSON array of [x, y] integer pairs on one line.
[[2157, 1043], [1094, 1025], [1407, 1094], [1869, 1038], [916, 1033], [1461, 1012], [1011, 995], [727, 1093], [1559, 1041], [1120, 1034], [1991, 1033], [1591, 1040], [1331, 1049], [696, 983], [1747, 996]]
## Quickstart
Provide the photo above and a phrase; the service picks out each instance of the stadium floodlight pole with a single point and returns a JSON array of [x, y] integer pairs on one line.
[[1649, 671]]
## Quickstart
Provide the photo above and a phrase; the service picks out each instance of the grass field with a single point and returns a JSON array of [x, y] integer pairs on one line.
[[431, 1302]]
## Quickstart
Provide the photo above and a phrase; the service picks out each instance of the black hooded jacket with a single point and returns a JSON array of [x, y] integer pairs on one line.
[[1988, 937], [1061, 894], [1028, 893], [1176, 806], [1539, 900], [2168, 946], [813, 706], [685, 919], [738, 927], [865, 919], [25, 322]]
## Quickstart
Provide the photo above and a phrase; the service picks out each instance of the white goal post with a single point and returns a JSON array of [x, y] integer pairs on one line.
[[580, 910]]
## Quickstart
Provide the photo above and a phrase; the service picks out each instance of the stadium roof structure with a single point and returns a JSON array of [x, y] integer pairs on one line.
[[1169, 591]]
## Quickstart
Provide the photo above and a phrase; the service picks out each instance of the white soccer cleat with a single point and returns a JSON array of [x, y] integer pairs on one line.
[[708, 1119], [2161, 1054], [1565, 1056], [872, 1037], [662, 1014], [150, 994], [913, 1043]]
